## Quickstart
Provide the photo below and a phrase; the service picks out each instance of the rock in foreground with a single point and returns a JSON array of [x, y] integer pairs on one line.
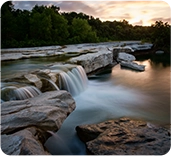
[[124, 137], [24, 123]]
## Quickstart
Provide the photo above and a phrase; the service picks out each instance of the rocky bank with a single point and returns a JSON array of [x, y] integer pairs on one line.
[[124, 137], [25, 123]]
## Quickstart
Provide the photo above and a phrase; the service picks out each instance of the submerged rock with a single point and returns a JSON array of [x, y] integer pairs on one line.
[[124, 137]]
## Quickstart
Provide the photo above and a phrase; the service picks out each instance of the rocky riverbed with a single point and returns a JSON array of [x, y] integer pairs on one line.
[[27, 124]]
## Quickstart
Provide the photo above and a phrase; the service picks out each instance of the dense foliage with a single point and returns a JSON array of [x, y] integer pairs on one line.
[[46, 26]]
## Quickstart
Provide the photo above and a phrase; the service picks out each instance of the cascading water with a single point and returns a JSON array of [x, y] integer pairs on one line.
[[71, 78], [9, 93]]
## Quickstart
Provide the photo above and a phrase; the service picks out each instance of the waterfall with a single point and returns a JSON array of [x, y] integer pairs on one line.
[[74, 81], [71, 78], [26, 92], [9, 93], [53, 84]]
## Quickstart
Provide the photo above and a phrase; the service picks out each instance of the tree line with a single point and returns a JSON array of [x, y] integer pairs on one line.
[[44, 26]]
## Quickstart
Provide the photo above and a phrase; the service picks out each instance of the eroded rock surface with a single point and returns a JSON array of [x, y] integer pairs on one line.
[[24, 123], [124, 137]]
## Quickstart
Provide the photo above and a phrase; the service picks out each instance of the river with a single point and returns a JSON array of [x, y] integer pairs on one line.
[[118, 93], [111, 94]]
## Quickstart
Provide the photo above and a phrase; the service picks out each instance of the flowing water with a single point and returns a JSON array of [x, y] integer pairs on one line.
[[111, 94], [119, 93]]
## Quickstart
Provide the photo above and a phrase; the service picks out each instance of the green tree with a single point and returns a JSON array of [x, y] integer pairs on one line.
[[81, 31], [40, 24], [22, 25], [59, 29], [161, 34], [7, 22]]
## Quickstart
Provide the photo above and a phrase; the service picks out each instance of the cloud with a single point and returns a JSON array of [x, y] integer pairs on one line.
[[65, 6], [137, 12], [153, 20], [28, 5], [76, 6], [138, 23]]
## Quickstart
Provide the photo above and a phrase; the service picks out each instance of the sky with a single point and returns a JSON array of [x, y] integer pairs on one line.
[[136, 12]]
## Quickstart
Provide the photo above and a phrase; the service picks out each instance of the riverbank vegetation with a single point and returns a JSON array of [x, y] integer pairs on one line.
[[43, 26]]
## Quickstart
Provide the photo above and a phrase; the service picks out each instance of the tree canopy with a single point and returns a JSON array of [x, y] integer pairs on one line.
[[44, 25]]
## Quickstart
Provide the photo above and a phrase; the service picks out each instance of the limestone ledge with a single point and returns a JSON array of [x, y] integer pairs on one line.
[[46, 51], [94, 61]]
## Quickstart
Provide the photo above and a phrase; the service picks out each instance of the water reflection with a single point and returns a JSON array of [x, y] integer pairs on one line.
[[26, 65], [154, 82]]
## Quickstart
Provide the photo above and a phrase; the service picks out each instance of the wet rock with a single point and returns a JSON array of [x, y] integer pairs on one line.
[[124, 137], [34, 79], [40, 79]]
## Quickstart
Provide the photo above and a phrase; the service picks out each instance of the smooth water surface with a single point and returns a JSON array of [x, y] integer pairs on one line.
[[10, 68], [119, 93]]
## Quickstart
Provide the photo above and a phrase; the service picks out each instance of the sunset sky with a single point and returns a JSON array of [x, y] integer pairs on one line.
[[136, 12]]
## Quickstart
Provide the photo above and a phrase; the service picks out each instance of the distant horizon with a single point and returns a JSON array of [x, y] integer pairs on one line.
[[141, 13]]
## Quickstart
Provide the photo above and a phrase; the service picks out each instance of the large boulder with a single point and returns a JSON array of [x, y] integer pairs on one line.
[[25, 124], [124, 137], [94, 61], [24, 142], [46, 111]]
